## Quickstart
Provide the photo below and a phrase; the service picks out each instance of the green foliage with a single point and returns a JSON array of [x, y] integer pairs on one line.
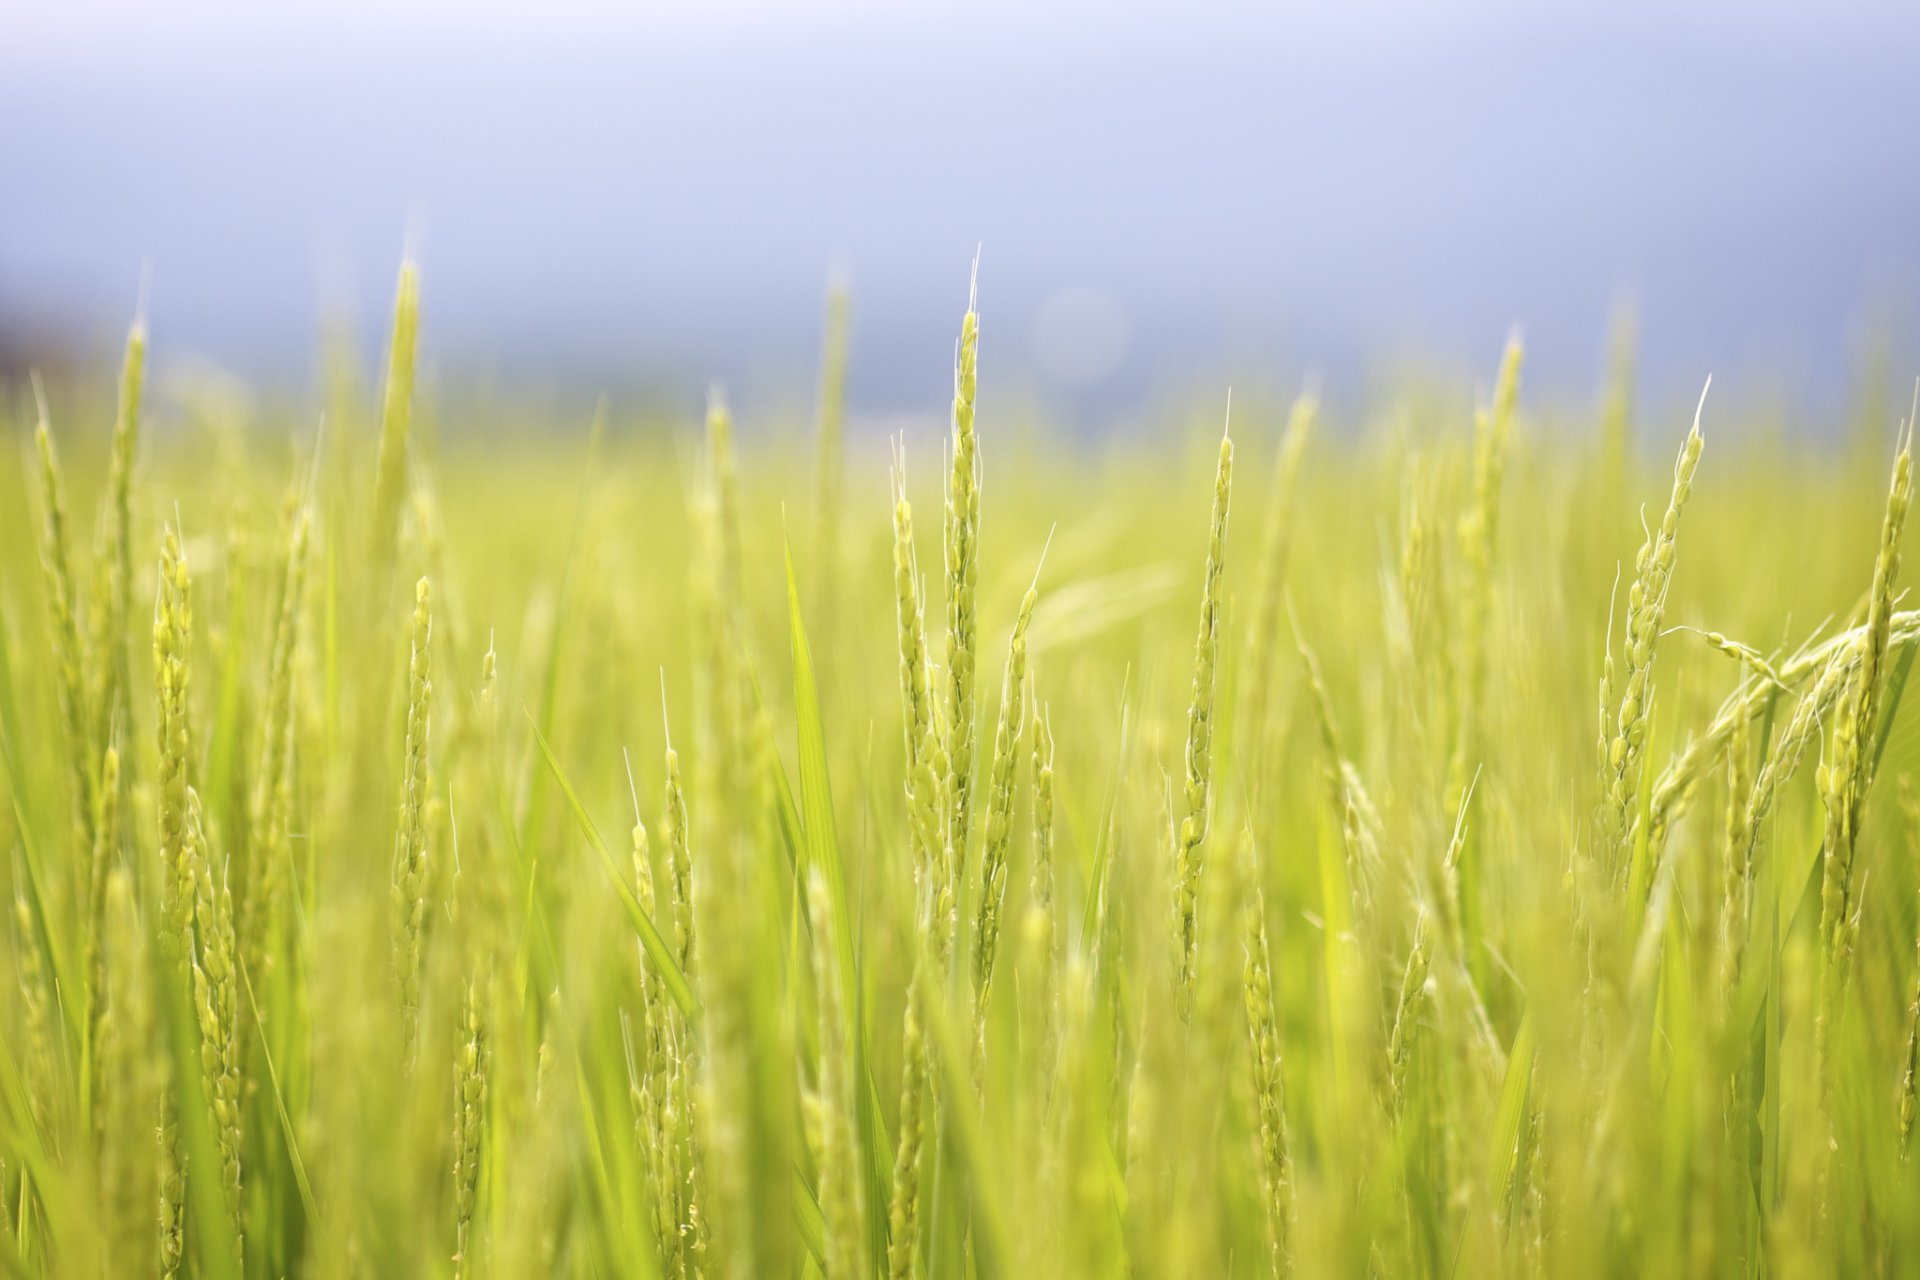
[[320, 966]]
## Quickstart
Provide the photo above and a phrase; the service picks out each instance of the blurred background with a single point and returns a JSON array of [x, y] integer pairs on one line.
[[1164, 197]]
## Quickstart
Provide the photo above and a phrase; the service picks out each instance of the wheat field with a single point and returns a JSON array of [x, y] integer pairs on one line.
[[1470, 838]]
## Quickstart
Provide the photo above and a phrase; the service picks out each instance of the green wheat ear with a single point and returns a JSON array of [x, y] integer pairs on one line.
[[999, 831], [1191, 813], [1479, 538], [410, 870], [1406, 1017], [172, 647], [1268, 1085], [1646, 606], [909, 614], [69, 653], [113, 607], [963, 572], [270, 806], [469, 1127], [1847, 772], [679, 863], [903, 1207]]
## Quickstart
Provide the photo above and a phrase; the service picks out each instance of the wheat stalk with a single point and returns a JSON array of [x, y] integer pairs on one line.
[[903, 1209], [999, 831], [1479, 541], [69, 655], [1406, 1015], [410, 869], [962, 535], [1269, 1088], [270, 807], [1646, 604], [1190, 826], [1844, 776], [469, 1127], [111, 693]]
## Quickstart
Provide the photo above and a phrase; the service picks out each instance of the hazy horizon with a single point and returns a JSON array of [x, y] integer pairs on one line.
[[601, 197]]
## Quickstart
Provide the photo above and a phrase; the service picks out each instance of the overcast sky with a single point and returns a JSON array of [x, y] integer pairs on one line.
[[1179, 191]]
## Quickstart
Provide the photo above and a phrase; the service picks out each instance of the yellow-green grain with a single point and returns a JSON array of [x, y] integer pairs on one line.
[[1737, 851], [69, 655], [910, 616], [962, 534], [1043, 922], [106, 851], [679, 864], [172, 649], [271, 804], [128, 1084], [469, 1128], [216, 1004], [1847, 772], [1479, 542], [113, 606], [36, 998], [410, 857], [172, 646], [1269, 1087], [999, 826], [903, 1210], [1192, 811], [1406, 1018], [1646, 605]]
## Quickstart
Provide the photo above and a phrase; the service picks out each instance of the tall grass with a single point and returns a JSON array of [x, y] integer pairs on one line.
[[320, 964]]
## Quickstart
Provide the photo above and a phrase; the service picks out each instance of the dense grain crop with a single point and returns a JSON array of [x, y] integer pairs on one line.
[[1315, 940]]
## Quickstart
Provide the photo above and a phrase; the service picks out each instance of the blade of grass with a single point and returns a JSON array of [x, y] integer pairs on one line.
[[807, 1220], [44, 934], [823, 851], [1103, 839], [10, 713], [792, 834], [218, 1246], [1504, 1149], [656, 946], [280, 1108], [992, 1234]]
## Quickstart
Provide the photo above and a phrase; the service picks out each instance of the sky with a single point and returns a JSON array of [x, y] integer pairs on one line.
[[1180, 193]]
